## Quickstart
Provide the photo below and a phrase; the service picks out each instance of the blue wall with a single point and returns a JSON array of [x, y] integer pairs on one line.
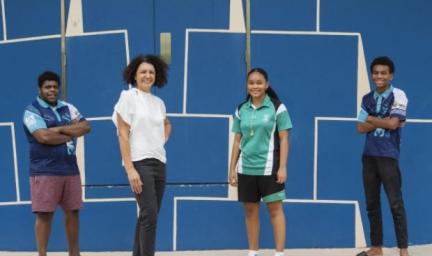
[[314, 74]]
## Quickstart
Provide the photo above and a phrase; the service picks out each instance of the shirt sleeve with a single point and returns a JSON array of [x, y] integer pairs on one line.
[[75, 114], [236, 124], [33, 121], [124, 108], [362, 116], [163, 109], [399, 106], [283, 119]]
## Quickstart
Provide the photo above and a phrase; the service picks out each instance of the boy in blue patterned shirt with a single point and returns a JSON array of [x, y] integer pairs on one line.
[[51, 127], [383, 113]]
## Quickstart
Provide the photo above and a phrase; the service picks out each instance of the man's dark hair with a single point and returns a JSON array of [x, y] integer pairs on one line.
[[48, 76], [383, 60]]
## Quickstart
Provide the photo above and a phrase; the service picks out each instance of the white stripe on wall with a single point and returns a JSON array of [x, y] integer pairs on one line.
[[237, 20], [75, 18], [3, 11]]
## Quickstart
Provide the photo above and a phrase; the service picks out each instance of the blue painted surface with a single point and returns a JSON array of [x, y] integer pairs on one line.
[[135, 16], [1, 23], [198, 163], [416, 169], [27, 18], [175, 17], [396, 28], [19, 90], [294, 15], [315, 75], [203, 224], [17, 228], [95, 66], [7, 177], [302, 71], [166, 215], [198, 150], [220, 87], [101, 145]]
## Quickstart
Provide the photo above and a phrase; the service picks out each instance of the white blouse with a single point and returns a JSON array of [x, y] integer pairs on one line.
[[145, 113]]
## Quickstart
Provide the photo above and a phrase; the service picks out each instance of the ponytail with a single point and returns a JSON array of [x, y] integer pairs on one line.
[[271, 93]]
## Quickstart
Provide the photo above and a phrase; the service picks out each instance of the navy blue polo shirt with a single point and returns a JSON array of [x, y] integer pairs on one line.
[[52, 160], [391, 103]]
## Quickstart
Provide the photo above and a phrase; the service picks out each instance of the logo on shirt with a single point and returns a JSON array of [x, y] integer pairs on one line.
[[266, 118], [66, 117], [399, 106], [70, 147], [380, 132], [49, 119], [30, 120]]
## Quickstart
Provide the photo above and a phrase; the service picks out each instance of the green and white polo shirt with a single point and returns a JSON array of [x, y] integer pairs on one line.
[[259, 145]]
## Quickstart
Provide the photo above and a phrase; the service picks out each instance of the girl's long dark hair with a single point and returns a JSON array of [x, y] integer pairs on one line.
[[270, 92]]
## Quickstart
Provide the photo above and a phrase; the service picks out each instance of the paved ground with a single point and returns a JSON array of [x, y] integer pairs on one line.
[[423, 250]]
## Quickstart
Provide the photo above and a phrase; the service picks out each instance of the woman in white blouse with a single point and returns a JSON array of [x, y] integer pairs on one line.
[[143, 128]]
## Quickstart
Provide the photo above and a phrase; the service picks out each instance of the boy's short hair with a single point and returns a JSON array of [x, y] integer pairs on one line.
[[383, 60], [48, 76]]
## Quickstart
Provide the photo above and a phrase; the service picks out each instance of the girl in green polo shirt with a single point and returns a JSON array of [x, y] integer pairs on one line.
[[259, 157]]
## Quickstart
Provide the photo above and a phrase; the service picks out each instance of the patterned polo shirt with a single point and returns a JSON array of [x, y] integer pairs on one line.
[[391, 103], [53, 160]]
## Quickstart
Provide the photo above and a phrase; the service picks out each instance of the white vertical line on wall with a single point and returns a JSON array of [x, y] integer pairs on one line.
[[360, 240], [80, 154], [237, 20], [248, 36], [232, 191], [3, 19], [363, 85], [175, 225], [316, 140], [318, 16], [75, 18], [315, 160], [185, 76], [15, 160], [186, 60], [63, 53], [126, 36]]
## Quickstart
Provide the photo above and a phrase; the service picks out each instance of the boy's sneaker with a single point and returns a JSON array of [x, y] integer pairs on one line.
[[253, 253]]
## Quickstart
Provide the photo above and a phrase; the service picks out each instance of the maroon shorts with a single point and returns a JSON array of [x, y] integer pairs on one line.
[[49, 191]]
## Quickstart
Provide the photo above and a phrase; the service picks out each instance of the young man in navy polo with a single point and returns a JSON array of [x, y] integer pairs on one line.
[[383, 113], [52, 127]]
